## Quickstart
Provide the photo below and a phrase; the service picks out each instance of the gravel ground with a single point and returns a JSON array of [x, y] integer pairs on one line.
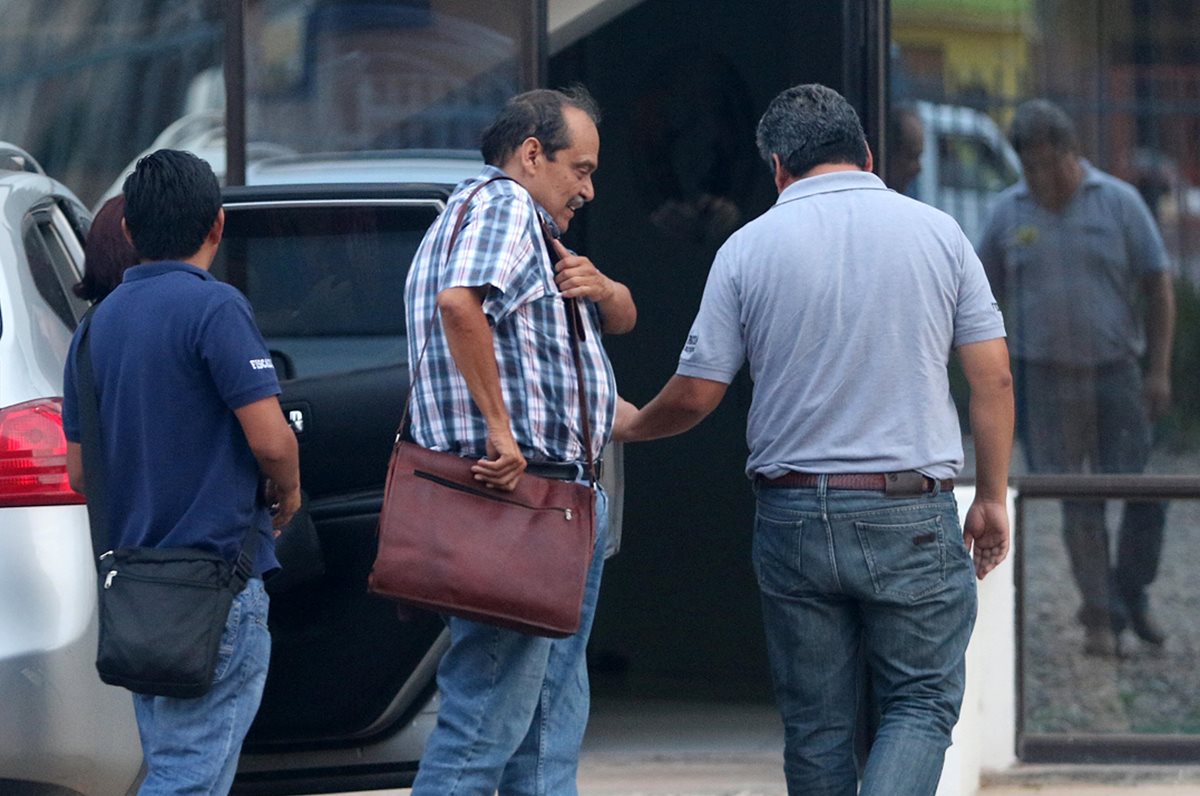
[[1147, 690]]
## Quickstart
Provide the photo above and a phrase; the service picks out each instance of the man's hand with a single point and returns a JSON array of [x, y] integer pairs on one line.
[[504, 465], [625, 415], [283, 506], [577, 277], [1156, 390], [986, 534]]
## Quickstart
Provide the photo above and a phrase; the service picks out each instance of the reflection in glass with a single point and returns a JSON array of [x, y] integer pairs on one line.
[[1126, 73], [1092, 243], [326, 282], [381, 74], [88, 84], [1148, 688]]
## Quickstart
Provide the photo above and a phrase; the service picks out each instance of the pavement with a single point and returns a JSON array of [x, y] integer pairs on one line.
[[673, 748]]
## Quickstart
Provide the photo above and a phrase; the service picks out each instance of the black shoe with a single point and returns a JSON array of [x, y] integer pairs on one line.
[[1147, 627]]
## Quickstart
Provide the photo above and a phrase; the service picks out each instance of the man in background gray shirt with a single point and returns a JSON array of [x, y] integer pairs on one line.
[[1077, 258], [846, 299]]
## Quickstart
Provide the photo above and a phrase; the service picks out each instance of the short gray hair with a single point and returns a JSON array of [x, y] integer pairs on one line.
[[1040, 121], [810, 125]]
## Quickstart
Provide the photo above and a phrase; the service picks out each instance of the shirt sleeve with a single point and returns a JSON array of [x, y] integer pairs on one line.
[[236, 355], [70, 405], [716, 348], [977, 316], [496, 248], [1147, 252], [991, 244]]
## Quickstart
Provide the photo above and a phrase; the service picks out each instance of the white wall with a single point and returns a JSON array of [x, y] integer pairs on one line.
[[985, 737]]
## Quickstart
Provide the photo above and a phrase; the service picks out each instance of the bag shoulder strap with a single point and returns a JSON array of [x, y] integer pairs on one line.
[[89, 422], [575, 321]]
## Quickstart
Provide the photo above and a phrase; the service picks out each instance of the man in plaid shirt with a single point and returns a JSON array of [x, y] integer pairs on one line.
[[497, 383]]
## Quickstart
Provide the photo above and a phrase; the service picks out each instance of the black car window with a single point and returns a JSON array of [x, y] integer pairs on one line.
[[52, 267], [326, 280]]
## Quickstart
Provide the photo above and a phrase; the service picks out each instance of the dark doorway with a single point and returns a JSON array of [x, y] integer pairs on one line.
[[682, 86]]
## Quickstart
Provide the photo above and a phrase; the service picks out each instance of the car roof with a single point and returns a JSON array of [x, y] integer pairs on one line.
[[203, 134], [421, 166]]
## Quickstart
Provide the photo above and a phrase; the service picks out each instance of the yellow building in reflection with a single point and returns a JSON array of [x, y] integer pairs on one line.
[[963, 50]]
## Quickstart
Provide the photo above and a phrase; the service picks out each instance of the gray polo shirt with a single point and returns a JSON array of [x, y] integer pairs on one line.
[[1071, 281], [846, 298]]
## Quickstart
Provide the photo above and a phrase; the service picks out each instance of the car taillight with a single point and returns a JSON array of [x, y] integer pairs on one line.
[[33, 455]]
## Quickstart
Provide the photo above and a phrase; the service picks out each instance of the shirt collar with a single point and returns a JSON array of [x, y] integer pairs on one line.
[[850, 180], [1092, 176], [148, 270], [490, 171]]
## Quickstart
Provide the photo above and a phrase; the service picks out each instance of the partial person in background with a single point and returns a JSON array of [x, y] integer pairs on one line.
[[107, 252], [1081, 266], [906, 144]]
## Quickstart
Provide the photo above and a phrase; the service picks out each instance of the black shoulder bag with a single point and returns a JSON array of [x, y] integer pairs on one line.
[[162, 610]]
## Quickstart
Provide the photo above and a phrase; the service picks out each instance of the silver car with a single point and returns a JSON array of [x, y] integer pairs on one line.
[[61, 730]]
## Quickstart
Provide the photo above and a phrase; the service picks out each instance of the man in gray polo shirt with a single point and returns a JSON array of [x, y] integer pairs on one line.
[[846, 300], [1074, 253]]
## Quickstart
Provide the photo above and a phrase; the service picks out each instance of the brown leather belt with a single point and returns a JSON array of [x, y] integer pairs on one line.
[[908, 482]]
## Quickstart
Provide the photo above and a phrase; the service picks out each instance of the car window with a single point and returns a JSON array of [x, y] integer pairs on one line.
[[54, 257], [326, 280], [969, 163]]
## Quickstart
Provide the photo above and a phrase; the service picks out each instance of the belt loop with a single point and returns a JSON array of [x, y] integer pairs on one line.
[[937, 486], [580, 471], [823, 485]]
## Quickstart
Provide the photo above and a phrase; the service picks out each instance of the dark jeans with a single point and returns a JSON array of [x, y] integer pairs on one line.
[[1093, 419], [850, 577]]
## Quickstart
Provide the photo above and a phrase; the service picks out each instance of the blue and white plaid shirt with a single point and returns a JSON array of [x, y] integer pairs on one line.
[[501, 245]]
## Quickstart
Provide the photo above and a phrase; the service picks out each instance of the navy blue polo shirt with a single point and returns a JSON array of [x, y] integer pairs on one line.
[[174, 352]]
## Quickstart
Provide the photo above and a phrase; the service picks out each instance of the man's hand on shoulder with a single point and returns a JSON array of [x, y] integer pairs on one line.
[[578, 277], [986, 535]]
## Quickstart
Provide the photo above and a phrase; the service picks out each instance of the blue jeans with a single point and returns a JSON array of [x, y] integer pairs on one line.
[[845, 574], [513, 706], [191, 746]]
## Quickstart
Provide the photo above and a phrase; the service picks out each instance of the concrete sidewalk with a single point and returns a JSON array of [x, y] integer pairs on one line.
[[670, 748]]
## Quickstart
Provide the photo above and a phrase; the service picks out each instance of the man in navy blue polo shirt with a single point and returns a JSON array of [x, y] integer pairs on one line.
[[190, 418]]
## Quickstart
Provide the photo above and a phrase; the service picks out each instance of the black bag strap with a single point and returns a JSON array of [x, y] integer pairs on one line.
[[89, 421], [577, 334], [94, 470]]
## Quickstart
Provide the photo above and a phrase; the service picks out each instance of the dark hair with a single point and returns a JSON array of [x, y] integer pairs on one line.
[[171, 201], [1040, 121], [896, 129], [106, 253], [810, 125], [537, 114]]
